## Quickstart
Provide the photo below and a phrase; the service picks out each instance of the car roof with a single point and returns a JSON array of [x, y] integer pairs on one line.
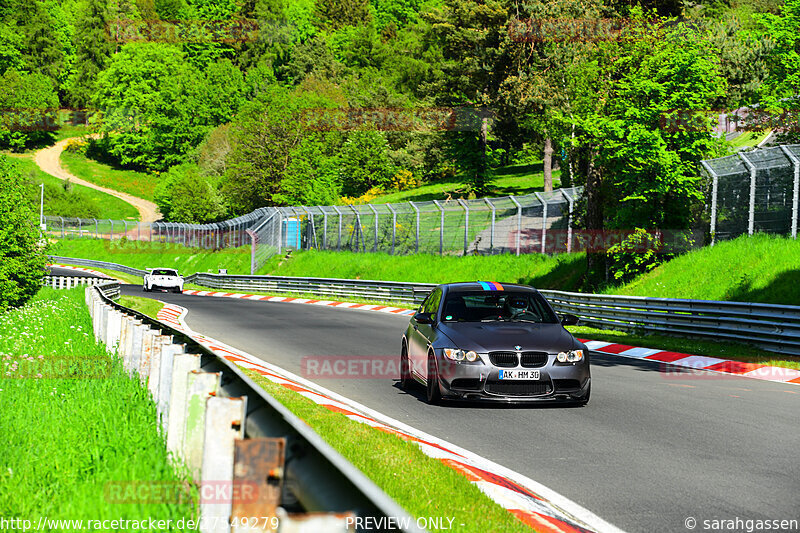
[[489, 286], [164, 268]]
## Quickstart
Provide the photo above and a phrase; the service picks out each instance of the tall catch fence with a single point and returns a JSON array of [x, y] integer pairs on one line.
[[755, 191]]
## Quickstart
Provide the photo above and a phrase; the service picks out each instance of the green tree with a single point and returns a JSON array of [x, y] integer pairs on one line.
[[364, 163], [29, 102], [335, 14], [22, 252], [94, 51], [185, 195]]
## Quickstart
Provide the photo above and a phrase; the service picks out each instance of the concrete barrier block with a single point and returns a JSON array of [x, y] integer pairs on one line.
[[165, 382], [200, 386], [182, 364]]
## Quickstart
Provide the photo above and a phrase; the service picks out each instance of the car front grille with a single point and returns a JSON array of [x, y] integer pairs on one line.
[[519, 388], [504, 359], [533, 359]]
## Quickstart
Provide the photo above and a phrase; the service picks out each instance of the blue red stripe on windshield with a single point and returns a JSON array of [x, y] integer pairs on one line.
[[491, 286]]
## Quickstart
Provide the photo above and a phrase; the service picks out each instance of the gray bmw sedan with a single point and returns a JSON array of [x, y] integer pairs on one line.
[[487, 341]]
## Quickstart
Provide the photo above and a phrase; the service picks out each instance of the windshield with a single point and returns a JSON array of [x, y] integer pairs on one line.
[[164, 272], [481, 306]]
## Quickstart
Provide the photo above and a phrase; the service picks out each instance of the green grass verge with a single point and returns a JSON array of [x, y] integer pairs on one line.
[[147, 306], [761, 268], [720, 349], [747, 139], [77, 200], [545, 272], [511, 180], [66, 439], [424, 486], [140, 184], [142, 255]]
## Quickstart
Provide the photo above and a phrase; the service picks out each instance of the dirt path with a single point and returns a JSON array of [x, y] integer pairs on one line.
[[49, 160]]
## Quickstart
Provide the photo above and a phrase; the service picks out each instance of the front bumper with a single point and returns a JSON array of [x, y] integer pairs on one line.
[[480, 382]]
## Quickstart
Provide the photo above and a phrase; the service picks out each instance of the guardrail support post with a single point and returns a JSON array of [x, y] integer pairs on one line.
[[165, 382], [137, 347], [257, 465], [148, 345], [182, 364], [154, 376], [224, 424], [200, 387]]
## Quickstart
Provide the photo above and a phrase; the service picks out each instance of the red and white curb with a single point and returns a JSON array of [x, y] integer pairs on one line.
[[532, 503], [286, 299], [688, 361], [81, 269], [698, 362]]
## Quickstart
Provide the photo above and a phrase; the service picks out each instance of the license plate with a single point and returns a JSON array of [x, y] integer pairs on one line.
[[519, 374]]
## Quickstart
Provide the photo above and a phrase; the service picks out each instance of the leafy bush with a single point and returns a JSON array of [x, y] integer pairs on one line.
[[22, 255]]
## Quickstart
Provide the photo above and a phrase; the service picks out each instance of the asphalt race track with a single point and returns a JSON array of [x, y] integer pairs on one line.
[[651, 449], [58, 271]]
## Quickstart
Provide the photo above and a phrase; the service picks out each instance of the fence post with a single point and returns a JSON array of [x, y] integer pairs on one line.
[[252, 252], [519, 221], [80, 228], [96, 232], [313, 228], [752, 214], [111, 237], [324, 228], [569, 220], [62, 227], [416, 210], [394, 225], [491, 226], [796, 190], [544, 219], [375, 212], [714, 187], [465, 205], [441, 226], [339, 238]]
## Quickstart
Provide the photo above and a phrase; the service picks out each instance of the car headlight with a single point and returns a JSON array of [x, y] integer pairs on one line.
[[572, 356], [454, 354]]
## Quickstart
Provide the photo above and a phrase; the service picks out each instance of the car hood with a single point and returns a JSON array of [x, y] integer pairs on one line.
[[503, 336]]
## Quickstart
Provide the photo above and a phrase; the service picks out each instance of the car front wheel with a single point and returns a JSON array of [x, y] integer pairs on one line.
[[405, 369], [434, 395]]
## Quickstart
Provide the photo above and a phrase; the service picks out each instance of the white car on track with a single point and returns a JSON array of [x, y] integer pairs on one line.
[[162, 278]]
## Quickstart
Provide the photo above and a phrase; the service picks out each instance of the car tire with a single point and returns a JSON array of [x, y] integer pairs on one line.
[[434, 395], [144, 288], [405, 370]]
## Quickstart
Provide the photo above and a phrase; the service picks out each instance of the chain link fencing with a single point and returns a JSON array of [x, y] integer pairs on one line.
[[754, 191], [749, 192]]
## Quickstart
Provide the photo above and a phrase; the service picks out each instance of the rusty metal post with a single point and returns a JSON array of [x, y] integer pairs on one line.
[[224, 424], [258, 477], [182, 364], [200, 386]]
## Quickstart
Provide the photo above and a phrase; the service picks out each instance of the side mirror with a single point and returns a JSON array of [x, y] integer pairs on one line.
[[423, 318], [569, 320]]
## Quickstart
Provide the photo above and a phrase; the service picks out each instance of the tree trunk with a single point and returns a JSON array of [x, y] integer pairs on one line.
[[595, 253], [547, 164], [480, 178]]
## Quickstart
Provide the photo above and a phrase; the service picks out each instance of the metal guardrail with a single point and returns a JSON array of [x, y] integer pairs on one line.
[[316, 477], [393, 291], [772, 327], [69, 282], [97, 264]]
